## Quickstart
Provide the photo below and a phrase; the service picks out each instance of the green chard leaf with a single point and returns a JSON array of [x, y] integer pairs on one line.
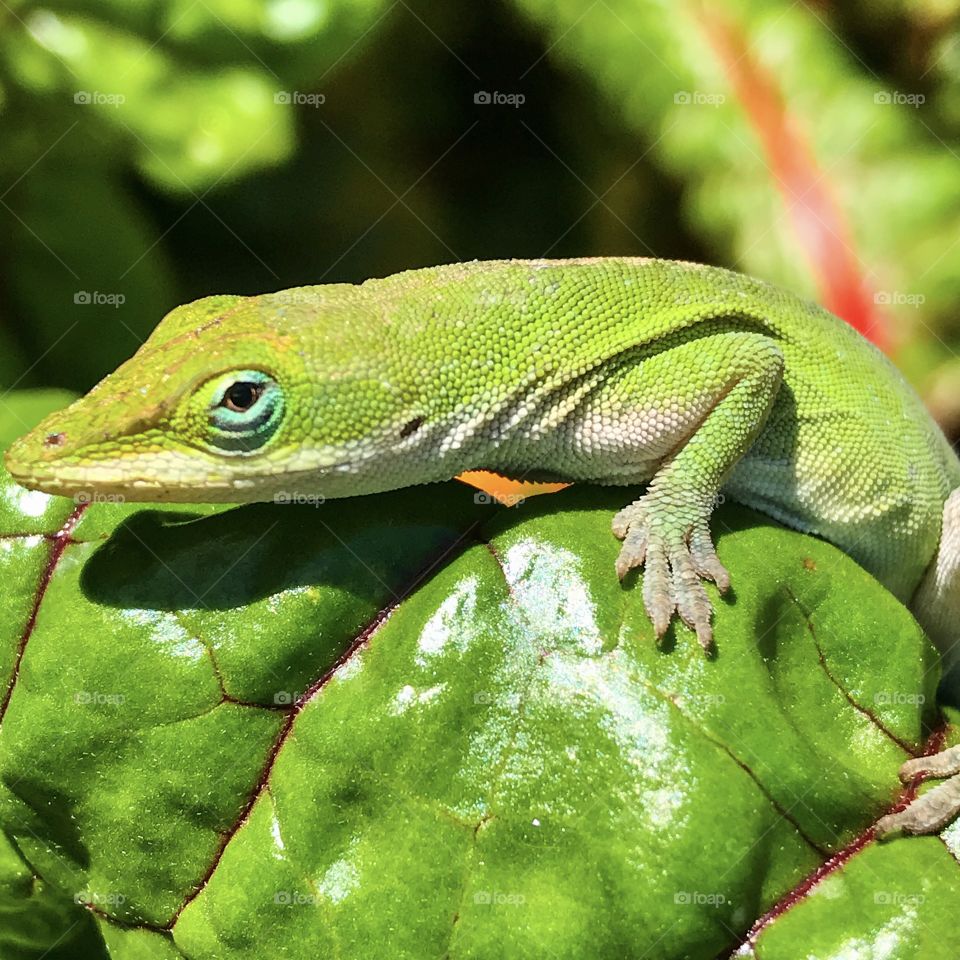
[[417, 725]]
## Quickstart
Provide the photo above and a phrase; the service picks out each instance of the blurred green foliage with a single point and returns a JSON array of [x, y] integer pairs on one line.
[[154, 152]]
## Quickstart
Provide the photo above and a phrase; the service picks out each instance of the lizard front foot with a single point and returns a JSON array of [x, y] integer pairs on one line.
[[935, 809], [677, 554]]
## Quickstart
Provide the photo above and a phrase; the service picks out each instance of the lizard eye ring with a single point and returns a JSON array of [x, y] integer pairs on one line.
[[245, 409]]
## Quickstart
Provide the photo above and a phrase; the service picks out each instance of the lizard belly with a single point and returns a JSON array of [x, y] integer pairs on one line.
[[596, 445]]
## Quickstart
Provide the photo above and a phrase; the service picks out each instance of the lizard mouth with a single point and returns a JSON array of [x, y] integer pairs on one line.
[[105, 482], [172, 476], [150, 477]]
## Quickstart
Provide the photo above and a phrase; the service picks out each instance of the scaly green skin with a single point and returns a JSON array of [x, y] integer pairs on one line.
[[694, 380]]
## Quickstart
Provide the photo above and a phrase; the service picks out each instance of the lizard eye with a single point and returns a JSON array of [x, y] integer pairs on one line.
[[245, 409], [241, 396]]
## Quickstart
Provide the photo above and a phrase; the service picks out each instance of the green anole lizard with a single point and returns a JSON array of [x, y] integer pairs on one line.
[[693, 380]]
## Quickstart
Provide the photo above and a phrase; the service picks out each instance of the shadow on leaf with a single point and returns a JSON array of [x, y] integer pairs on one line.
[[371, 547]]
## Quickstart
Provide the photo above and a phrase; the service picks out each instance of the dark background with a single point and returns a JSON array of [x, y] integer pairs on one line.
[[150, 156]]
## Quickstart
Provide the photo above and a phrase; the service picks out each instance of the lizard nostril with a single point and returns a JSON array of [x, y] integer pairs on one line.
[[54, 439]]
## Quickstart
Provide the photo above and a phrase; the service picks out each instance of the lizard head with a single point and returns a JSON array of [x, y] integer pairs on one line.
[[231, 399]]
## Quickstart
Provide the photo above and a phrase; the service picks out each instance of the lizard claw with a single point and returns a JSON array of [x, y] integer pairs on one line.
[[676, 558]]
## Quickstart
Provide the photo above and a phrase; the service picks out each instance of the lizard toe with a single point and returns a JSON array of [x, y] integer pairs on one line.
[[658, 598], [928, 813], [633, 553], [692, 601], [943, 764], [630, 517], [705, 559]]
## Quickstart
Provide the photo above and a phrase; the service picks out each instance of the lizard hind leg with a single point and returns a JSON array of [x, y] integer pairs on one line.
[[734, 377]]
